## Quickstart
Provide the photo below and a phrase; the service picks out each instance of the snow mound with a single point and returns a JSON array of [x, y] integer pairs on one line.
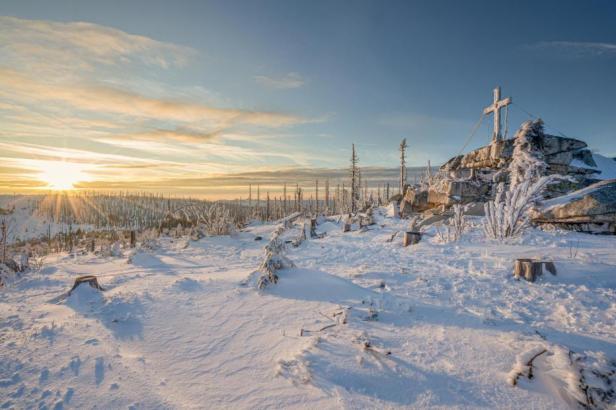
[[315, 285], [328, 226], [84, 296], [188, 285]]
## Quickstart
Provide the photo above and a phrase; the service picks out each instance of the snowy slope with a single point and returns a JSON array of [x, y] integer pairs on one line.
[[606, 165], [361, 322]]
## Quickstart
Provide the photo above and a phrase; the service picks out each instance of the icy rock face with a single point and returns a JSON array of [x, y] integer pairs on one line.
[[592, 209], [472, 177]]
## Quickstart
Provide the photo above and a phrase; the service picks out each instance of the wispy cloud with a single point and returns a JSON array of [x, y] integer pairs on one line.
[[81, 44], [290, 80], [577, 48], [101, 98]]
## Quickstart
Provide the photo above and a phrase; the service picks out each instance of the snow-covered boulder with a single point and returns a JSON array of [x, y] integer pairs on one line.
[[591, 209]]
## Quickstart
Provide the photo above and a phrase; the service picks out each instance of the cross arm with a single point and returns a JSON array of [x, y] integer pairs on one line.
[[489, 109], [504, 102]]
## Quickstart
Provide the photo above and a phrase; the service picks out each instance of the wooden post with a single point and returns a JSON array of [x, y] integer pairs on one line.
[[411, 238], [133, 239]]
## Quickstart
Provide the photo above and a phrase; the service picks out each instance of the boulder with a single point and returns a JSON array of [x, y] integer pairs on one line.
[[591, 209]]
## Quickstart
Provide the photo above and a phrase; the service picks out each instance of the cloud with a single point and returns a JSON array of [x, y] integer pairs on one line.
[[102, 98], [82, 44], [577, 48], [291, 80], [95, 97]]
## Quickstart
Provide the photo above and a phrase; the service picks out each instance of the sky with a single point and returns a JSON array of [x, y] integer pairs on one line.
[[201, 98]]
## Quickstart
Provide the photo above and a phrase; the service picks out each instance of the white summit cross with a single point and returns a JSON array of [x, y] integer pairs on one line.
[[495, 108]]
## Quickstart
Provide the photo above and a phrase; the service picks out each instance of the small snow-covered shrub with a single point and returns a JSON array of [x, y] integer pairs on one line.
[[149, 240], [274, 259], [36, 262], [218, 220], [454, 227], [116, 249], [457, 221], [508, 214]]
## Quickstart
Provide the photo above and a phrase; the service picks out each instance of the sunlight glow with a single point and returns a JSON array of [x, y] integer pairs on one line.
[[62, 176]]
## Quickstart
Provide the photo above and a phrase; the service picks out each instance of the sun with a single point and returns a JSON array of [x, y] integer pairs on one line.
[[62, 176]]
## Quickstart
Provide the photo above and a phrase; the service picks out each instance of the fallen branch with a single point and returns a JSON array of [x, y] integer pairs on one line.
[[525, 370], [391, 239]]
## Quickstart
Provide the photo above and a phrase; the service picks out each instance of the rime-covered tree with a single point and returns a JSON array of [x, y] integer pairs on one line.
[[403, 171], [527, 161]]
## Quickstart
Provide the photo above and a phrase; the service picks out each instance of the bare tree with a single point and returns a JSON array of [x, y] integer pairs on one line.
[[284, 198], [4, 231], [354, 171], [327, 195], [316, 195], [403, 171]]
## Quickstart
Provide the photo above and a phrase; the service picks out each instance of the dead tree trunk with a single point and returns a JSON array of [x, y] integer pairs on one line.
[[527, 269]]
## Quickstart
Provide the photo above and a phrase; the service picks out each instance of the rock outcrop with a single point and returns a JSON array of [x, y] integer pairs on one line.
[[591, 209], [472, 177]]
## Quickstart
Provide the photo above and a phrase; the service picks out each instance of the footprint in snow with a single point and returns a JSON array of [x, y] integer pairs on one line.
[[44, 376], [99, 370], [75, 364]]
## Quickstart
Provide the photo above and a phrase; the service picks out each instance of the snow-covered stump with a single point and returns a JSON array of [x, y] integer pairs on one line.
[[89, 279], [411, 238]]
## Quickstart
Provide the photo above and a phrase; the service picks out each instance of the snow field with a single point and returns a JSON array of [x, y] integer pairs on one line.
[[360, 323]]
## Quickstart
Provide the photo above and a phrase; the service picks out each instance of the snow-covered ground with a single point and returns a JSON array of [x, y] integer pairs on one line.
[[361, 322], [25, 224]]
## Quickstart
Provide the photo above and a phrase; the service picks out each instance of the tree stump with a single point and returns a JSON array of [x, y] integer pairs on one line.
[[89, 279], [528, 269], [411, 238], [313, 228], [550, 267]]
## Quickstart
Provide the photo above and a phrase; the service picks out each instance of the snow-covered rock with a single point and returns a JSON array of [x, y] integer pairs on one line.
[[591, 209]]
